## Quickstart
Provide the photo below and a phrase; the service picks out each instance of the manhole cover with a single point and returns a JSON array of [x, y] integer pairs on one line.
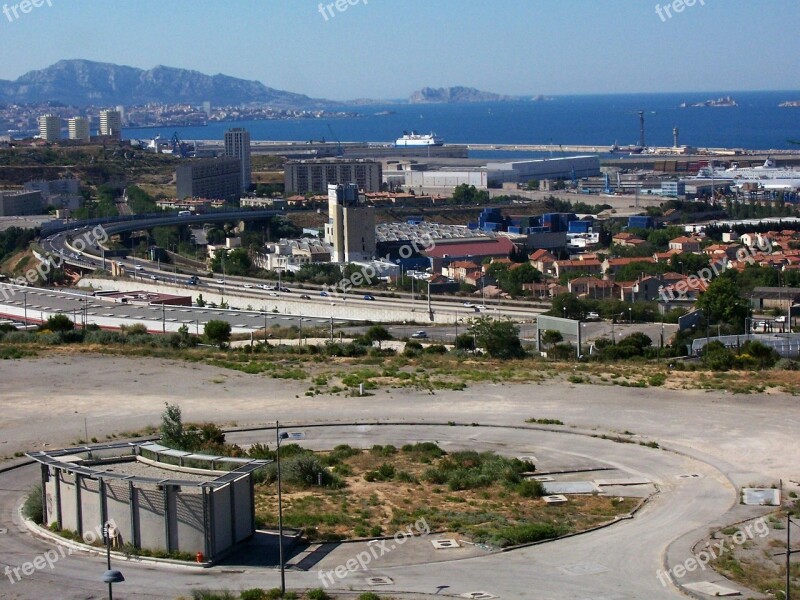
[[557, 499], [445, 544], [529, 458], [478, 595], [380, 581]]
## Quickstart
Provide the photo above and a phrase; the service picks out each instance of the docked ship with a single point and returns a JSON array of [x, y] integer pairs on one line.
[[768, 175], [415, 139]]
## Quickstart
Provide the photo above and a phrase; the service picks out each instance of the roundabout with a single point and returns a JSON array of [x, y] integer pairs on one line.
[[691, 480]]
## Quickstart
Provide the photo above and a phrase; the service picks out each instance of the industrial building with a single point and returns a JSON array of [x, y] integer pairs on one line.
[[522, 171], [350, 229], [423, 179], [14, 203], [61, 193], [216, 178], [237, 145], [152, 496], [50, 128], [78, 128], [111, 123], [314, 176]]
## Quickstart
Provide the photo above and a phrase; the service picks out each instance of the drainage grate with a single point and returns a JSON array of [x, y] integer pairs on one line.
[[380, 581], [445, 544]]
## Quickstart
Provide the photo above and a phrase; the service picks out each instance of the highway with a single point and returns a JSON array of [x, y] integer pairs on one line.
[[255, 292]]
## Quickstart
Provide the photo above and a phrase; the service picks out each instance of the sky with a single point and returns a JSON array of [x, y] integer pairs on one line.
[[389, 48]]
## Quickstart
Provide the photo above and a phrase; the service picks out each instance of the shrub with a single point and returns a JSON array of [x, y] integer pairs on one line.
[[369, 596], [317, 594], [530, 488], [254, 594], [209, 595], [33, 508]]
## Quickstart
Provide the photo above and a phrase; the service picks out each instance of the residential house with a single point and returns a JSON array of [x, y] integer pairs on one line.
[[685, 244], [591, 287], [578, 267]]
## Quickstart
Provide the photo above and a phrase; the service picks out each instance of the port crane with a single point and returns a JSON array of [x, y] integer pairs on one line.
[[339, 149], [179, 147]]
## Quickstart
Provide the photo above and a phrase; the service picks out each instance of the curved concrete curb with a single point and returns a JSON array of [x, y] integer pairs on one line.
[[49, 536]]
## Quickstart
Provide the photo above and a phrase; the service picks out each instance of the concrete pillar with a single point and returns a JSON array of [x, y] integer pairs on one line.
[[58, 498], [134, 512], [78, 505]]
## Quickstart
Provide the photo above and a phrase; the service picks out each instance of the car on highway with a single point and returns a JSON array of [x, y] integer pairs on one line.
[[276, 294], [139, 268], [193, 280], [369, 297], [480, 307], [305, 297], [154, 277], [267, 287], [469, 305], [324, 294], [419, 335], [248, 286], [221, 281], [285, 290]]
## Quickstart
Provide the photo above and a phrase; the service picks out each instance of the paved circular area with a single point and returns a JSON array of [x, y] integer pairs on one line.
[[728, 440]]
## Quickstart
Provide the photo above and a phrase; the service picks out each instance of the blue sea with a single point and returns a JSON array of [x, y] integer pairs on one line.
[[757, 123]]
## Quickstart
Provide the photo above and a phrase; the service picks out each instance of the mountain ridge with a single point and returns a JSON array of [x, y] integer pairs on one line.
[[83, 82]]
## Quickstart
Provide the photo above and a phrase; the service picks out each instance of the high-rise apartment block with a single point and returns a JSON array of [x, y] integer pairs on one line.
[[237, 145], [351, 225], [50, 128]]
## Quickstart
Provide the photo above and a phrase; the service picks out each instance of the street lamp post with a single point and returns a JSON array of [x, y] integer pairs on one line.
[[110, 576], [280, 506], [278, 438]]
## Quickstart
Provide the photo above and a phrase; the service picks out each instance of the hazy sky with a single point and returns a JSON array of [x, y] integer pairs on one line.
[[389, 48]]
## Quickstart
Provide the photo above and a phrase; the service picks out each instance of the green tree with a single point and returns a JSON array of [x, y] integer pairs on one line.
[[551, 337], [59, 323], [377, 333], [499, 338], [217, 332], [236, 262], [722, 303], [172, 426]]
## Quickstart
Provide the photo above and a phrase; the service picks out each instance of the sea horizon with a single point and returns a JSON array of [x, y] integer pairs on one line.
[[757, 122]]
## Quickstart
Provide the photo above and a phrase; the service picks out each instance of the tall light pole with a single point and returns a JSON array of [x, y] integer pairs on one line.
[[110, 576], [278, 438]]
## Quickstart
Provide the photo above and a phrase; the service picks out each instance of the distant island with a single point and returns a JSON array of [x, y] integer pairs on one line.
[[790, 104], [724, 102], [459, 95]]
